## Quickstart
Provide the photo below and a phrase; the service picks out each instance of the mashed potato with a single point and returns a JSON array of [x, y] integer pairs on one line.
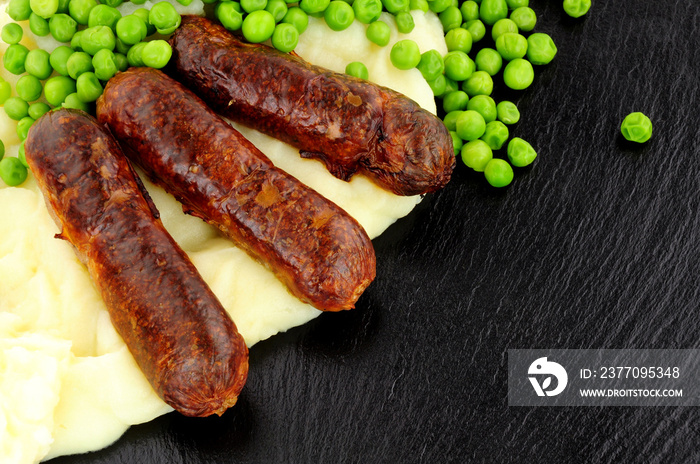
[[67, 382]]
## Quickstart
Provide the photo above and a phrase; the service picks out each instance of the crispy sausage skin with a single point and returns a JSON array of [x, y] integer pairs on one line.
[[181, 337], [350, 124], [313, 246]]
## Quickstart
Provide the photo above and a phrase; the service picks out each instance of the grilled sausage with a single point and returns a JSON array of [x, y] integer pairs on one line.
[[313, 246], [350, 124], [181, 337]]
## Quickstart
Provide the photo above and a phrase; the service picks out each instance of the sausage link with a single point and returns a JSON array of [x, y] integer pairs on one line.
[[177, 330], [350, 124], [313, 246]]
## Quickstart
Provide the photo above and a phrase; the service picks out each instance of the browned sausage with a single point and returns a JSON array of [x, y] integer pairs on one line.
[[181, 337], [321, 253], [350, 124]]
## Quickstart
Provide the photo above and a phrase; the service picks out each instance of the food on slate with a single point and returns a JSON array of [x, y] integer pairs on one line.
[[636, 127], [321, 253], [349, 124], [175, 327]]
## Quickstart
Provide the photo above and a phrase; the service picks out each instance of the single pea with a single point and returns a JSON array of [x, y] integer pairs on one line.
[[459, 39], [131, 29], [498, 173], [76, 41], [104, 64], [59, 59], [339, 15], [285, 37], [278, 8], [541, 49], [513, 4], [135, 54], [57, 88], [485, 106], [121, 47], [507, 112], [502, 26], [491, 11], [394, 6], [157, 53], [357, 69], [23, 126], [495, 135], [19, 10], [63, 6], [455, 101], [74, 102], [421, 5], [79, 63], [458, 65], [476, 28], [253, 5], [367, 11], [520, 152], [489, 61], [297, 18], [97, 38], [11, 33], [404, 22], [379, 33], [470, 125], [450, 120], [258, 26], [37, 63], [143, 14], [476, 154], [141, 2], [103, 15], [525, 18], [438, 85], [450, 85], [14, 58], [21, 156], [314, 6], [469, 10], [80, 10], [450, 18], [5, 91], [38, 25], [457, 143], [28, 88], [62, 27], [577, 8], [44, 8], [438, 6], [88, 87], [636, 127], [185, 2], [38, 109], [16, 108], [479, 83], [431, 65], [511, 46], [518, 74], [165, 18], [405, 54], [121, 61], [12, 171], [229, 16]]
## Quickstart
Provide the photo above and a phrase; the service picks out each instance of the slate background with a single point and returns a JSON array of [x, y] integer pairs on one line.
[[594, 246]]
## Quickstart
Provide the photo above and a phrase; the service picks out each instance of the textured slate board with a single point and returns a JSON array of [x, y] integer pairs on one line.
[[594, 246]]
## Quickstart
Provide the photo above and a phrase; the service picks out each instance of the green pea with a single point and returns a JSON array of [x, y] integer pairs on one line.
[[156, 54], [79, 63], [379, 33], [38, 109], [135, 55], [577, 8], [285, 37], [258, 26], [495, 135], [21, 156], [484, 105], [5, 91], [113, 3], [367, 11], [520, 153], [229, 16], [502, 26], [491, 11], [88, 87], [80, 10], [339, 15], [489, 61], [459, 39], [59, 59], [479, 83], [63, 6], [278, 9], [131, 29], [431, 65], [525, 18], [513, 4], [470, 125], [97, 38], [121, 47], [74, 102], [476, 28], [507, 112], [28, 88], [253, 5], [38, 25], [469, 10], [421, 5], [19, 10], [16, 108], [405, 54], [357, 69], [23, 126], [404, 22], [57, 88], [394, 6], [37, 64], [518, 74], [104, 64], [438, 6], [76, 41], [62, 27], [121, 61], [14, 58], [450, 18], [636, 127], [103, 15], [476, 154], [438, 85], [12, 171], [511, 46], [457, 143], [297, 18], [498, 173], [44, 8], [11, 33], [541, 49], [450, 85], [455, 101], [165, 18], [185, 2], [314, 6], [450, 120], [143, 14], [458, 65]]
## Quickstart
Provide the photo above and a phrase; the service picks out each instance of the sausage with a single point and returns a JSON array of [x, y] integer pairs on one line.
[[177, 330], [314, 247], [348, 123]]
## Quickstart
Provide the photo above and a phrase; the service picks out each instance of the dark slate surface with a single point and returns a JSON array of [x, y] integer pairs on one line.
[[594, 246]]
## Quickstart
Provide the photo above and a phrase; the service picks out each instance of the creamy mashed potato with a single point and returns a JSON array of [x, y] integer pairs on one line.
[[67, 382]]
